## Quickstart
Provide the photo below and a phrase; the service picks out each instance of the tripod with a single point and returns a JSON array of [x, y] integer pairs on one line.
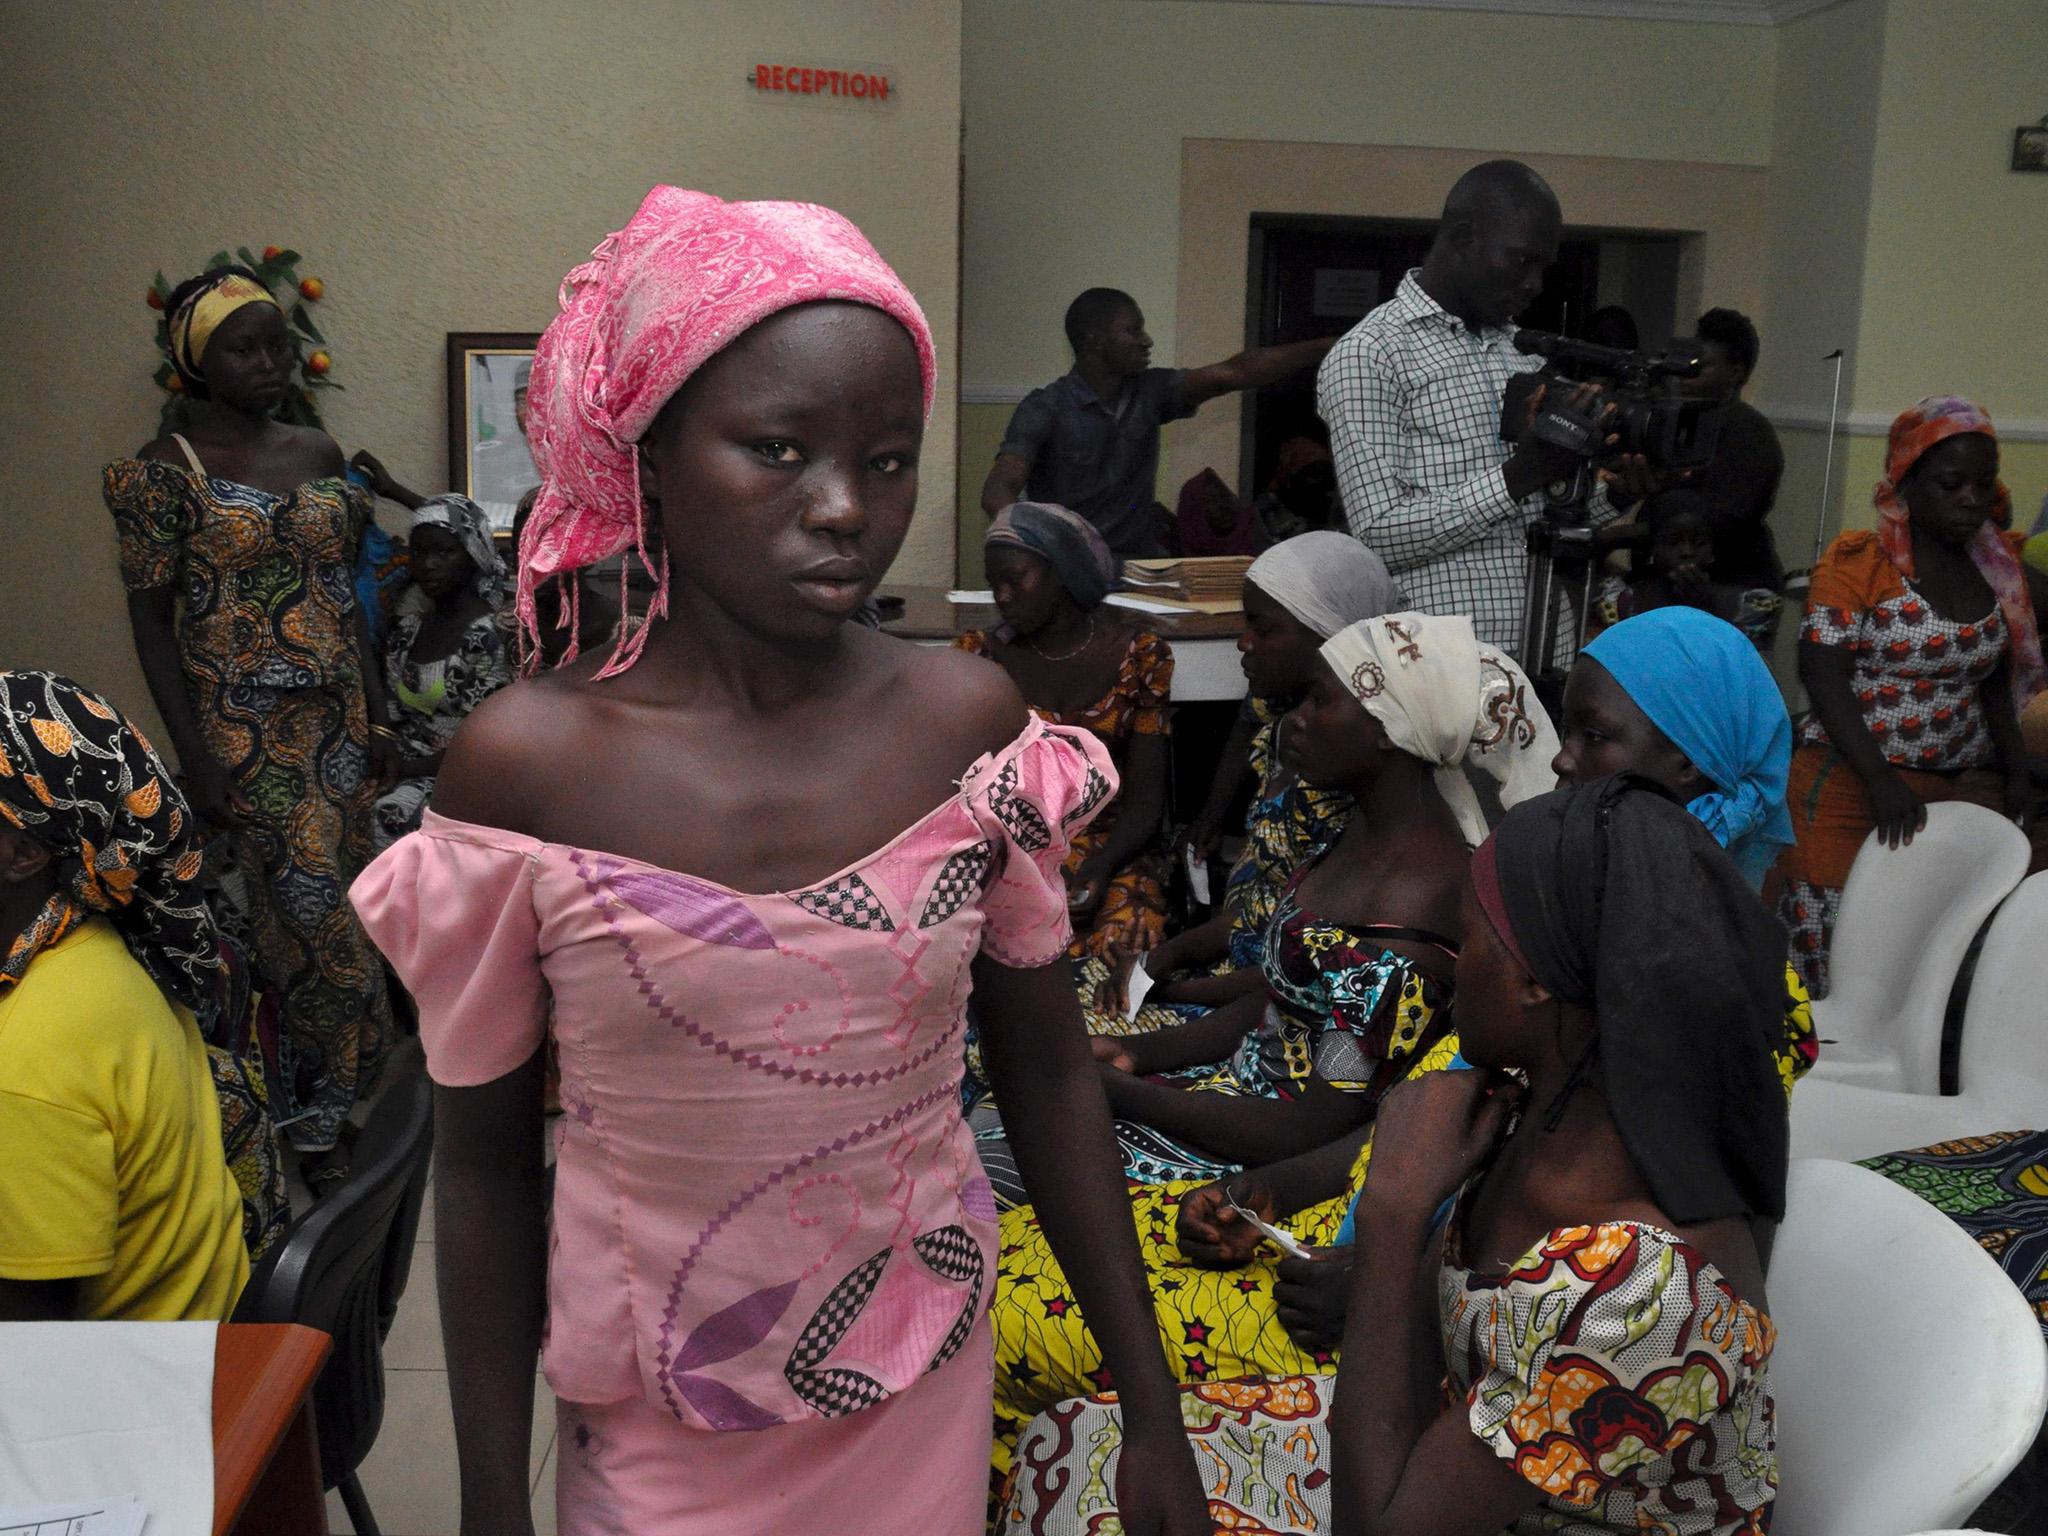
[[1564, 536]]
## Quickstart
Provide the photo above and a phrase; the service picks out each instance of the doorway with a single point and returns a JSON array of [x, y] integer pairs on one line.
[[1318, 275]]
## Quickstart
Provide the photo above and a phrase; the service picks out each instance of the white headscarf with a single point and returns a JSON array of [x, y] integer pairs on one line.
[[1327, 580], [1448, 699]]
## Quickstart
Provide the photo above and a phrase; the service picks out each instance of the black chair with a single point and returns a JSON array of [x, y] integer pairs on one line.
[[342, 1267]]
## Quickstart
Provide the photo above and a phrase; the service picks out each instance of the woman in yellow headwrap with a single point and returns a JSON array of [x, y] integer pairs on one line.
[[238, 547]]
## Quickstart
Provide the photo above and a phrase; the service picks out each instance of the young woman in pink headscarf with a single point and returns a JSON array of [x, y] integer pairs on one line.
[[743, 872]]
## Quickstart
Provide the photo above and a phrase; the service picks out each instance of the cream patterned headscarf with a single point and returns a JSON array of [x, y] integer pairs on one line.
[[1450, 700]]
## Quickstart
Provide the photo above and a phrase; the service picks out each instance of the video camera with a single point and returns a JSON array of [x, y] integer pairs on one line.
[[1650, 416]]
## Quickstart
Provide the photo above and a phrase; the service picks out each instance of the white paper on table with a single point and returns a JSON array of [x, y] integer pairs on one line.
[[1142, 604], [99, 1411], [1140, 984], [93, 1517], [966, 596]]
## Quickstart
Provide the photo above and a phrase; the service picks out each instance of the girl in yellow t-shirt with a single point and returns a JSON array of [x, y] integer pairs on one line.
[[117, 1202]]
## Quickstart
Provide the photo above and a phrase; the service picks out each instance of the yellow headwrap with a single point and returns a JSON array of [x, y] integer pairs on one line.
[[201, 315]]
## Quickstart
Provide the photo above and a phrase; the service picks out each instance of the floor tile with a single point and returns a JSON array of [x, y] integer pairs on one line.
[[409, 1476]]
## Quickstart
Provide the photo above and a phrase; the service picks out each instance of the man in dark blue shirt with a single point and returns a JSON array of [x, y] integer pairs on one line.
[[1090, 441]]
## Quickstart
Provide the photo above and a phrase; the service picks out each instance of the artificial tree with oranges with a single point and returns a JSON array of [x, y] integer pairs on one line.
[[278, 270]]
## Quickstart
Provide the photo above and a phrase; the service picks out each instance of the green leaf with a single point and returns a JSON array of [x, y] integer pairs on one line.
[[217, 259], [287, 258], [247, 256], [162, 285], [303, 323]]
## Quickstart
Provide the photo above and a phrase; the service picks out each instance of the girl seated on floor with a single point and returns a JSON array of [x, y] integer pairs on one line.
[[1550, 1243], [1357, 960], [1296, 596], [1675, 696]]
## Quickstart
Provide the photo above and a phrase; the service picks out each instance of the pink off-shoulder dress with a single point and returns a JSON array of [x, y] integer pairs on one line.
[[772, 1244]]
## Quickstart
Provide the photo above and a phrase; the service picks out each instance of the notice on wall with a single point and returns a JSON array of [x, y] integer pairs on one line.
[[834, 84], [1346, 292]]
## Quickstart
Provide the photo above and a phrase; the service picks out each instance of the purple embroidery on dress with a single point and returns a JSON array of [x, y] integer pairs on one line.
[[978, 1199], [666, 1332], [721, 1407], [693, 909], [735, 1329]]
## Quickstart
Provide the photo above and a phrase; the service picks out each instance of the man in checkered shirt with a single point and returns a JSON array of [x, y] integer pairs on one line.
[[1412, 395]]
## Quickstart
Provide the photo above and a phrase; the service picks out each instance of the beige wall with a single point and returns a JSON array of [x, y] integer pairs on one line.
[[1076, 111], [1956, 276], [441, 163]]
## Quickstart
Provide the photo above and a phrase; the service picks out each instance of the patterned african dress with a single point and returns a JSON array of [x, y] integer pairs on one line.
[[1611, 1366], [1919, 679], [265, 585], [430, 699], [1133, 910], [1343, 1008], [1218, 1324]]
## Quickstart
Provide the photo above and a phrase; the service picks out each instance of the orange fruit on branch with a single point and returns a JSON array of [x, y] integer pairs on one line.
[[272, 252], [318, 364], [312, 288], [153, 299]]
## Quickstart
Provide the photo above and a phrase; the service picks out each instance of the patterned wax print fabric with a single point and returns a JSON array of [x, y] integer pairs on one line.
[[430, 699], [1133, 912], [1611, 1367], [266, 598], [1996, 1189], [1285, 825], [1262, 1445], [767, 1209], [1614, 1368], [1215, 1323], [1344, 1008], [1919, 679]]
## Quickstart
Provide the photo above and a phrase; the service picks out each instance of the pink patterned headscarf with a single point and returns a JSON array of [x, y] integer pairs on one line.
[[680, 283], [1935, 420]]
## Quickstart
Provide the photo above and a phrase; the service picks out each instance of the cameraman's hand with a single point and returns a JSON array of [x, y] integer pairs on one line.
[[1631, 479], [1535, 464]]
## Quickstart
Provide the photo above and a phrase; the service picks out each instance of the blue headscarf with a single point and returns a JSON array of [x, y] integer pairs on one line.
[[1705, 687]]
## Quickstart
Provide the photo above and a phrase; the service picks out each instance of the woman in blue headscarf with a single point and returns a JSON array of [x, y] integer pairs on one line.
[[1682, 697]]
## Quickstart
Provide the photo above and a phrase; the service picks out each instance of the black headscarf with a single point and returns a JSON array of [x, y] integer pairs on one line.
[[80, 780], [1622, 903]]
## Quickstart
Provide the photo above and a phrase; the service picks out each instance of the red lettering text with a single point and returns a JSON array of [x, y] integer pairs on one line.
[[860, 85], [881, 87], [776, 80]]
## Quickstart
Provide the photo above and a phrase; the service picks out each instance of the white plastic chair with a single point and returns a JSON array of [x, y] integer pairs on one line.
[[1910, 1374], [1908, 916], [2001, 1068]]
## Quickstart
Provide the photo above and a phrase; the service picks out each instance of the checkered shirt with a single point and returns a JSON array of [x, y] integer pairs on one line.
[[1412, 397]]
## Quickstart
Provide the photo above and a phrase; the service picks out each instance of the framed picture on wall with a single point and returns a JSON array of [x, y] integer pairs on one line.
[[488, 459], [2030, 147]]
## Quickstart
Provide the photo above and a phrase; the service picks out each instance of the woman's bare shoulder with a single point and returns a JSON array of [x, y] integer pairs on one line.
[[511, 746]]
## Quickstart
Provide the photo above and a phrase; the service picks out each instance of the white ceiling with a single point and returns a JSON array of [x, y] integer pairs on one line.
[[1746, 13]]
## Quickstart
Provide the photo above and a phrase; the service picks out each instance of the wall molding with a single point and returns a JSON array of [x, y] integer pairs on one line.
[[1799, 418], [1734, 13]]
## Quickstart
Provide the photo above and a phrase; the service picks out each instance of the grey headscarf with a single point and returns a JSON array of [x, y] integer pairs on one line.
[[1065, 540], [1327, 580], [471, 525]]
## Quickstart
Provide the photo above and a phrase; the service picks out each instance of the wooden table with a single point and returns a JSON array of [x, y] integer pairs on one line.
[[266, 1460], [1205, 663]]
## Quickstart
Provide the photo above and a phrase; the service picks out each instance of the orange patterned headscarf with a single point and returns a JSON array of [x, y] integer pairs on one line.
[[1935, 420]]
